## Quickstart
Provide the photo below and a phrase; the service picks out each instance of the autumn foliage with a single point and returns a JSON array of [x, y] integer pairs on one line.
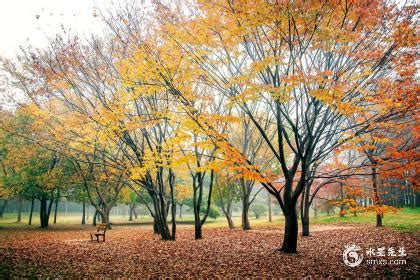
[[200, 96]]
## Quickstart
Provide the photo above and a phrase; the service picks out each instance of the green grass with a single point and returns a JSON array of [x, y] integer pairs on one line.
[[72, 219], [406, 219]]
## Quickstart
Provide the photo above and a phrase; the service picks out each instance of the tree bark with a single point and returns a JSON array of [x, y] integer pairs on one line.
[[228, 214], [290, 231], [230, 222], [173, 234], [156, 229], [84, 213], [3, 207], [173, 204], [105, 217], [31, 211], [342, 199], [43, 212], [95, 216], [198, 186], [134, 211], [270, 218], [48, 213], [19, 216], [160, 213], [198, 231], [305, 222], [377, 197], [245, 193], [417, 199], [413, 197], [305, 213], [245, 215], [130, 216], [180, 211], [56, 208]]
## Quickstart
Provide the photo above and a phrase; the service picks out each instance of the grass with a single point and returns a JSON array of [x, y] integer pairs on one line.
[[406, 219]]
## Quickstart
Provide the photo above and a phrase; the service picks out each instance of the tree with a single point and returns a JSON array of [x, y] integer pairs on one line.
[[317, 73], [183, 195], [258, 210], [38, 172], [226, 193]]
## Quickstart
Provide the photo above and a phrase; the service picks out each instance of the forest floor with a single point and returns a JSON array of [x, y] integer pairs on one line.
[[131, 251]]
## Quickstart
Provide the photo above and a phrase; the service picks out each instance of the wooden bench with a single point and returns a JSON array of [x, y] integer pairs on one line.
[[100, 231]]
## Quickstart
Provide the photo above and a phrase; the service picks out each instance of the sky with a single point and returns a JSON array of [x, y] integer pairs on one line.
[[33, 21]]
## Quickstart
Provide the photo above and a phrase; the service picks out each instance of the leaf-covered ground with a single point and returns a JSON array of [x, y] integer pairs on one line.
[[135, 252]]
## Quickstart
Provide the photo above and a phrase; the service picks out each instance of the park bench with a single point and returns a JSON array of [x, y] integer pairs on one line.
[[100, 231]]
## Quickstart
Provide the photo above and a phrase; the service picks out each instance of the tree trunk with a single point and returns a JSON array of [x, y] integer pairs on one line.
[[19, 216], [134, 211], [230, 222], [87, 212], [270, 219], [55, 209], [180, 211], [84, 213], [105, 217], [3, 207], [173, 235], [48, 212], [173, 204], [290, 231], [305, 212], [417, 199], [43, 212], [413, 197], [245, 215], [378, 220], [228, 215], [95, 215], [160, 212], [156, 229], [198, 232], [198, 229], [130, 216], [245, 193], [342, 199], [305, 222], [377, 199], [31, 211]]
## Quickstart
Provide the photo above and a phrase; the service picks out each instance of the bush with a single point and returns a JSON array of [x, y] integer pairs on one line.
[[214, 212]]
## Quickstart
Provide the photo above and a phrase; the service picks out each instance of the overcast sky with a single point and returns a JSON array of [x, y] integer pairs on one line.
[[31, 21]]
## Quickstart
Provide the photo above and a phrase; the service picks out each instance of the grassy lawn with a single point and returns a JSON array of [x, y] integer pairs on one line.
[[404, 219]]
